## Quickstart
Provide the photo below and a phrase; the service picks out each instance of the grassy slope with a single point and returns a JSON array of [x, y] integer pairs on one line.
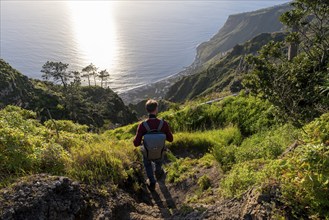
[[220, 151], [223, 75], [93, 106], [240, 28]]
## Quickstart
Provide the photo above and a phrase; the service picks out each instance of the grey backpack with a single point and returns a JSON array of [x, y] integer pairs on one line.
[[154, 142]]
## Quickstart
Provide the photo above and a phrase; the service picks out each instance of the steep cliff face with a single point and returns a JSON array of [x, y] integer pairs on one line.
[[94, 106], [226, 75], [15, 88], [240, 28]]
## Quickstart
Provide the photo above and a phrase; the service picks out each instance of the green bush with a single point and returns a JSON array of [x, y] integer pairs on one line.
[[183, 168], [102, 162], [180, 170], [204, 182], [242, 177], [54, 159], [122, 133], [267, 145], [65, 125], [250, 114], [193, 118], [303, 175], [20, 141], [304, 180], [318, 131], [193, 143], [225, 146], [27, 146]]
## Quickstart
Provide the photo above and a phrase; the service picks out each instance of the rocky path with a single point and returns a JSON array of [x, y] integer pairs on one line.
[[51, 197]]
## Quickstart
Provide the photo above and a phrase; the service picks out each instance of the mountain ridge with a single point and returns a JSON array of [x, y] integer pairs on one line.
[[159, 89], [52, 101]]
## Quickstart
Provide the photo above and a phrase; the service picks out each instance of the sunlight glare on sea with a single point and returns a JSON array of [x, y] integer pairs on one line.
[[95, 31], [138, 42]]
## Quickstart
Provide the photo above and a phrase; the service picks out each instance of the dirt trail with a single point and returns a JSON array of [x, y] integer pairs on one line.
[[49, 197]]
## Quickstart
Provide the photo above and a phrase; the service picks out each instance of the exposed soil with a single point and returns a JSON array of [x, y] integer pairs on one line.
[[52, 197]]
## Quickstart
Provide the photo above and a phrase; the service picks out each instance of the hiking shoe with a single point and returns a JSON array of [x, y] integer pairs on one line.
[[159, 174], [151, 186]]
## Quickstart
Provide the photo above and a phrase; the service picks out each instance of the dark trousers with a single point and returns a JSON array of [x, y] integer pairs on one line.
[[149, 168]]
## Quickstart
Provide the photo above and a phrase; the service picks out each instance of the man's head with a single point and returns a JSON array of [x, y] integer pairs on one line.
[[151, 106]]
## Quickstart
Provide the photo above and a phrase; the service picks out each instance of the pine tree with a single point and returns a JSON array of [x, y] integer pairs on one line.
[[296, 85], [103, 75]]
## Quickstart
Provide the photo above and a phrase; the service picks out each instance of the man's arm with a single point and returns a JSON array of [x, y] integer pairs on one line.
[[139, 135], [167, 131]]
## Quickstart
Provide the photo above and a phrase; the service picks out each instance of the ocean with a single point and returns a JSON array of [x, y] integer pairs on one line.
[[137, 42]]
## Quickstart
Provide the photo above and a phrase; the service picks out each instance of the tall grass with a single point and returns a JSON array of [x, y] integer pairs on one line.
[[60, 148], [249, 114]]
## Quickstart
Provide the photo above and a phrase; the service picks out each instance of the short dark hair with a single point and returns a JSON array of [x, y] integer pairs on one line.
[[151, 105]]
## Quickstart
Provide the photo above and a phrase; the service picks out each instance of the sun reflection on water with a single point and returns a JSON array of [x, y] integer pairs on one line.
[[95, 31]]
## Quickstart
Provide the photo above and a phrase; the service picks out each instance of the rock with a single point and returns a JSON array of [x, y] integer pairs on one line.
[[47, 198]]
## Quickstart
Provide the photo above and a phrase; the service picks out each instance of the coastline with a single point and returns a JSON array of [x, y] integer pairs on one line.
[[156, 90], [211, 51]]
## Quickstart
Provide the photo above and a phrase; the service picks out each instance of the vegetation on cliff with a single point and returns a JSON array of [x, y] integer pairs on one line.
[[243, 155], [222, 76], [248, 145], [91, 105], [296, 83], [240, 28]]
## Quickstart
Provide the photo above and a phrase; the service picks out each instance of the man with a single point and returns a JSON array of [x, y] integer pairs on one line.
[[153, 122]]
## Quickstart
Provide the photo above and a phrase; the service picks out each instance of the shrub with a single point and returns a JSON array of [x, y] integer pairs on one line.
[[20, 141], [26, 146], [192, 143], [101, 162], [122, 133], [267, 145], [180, 170], [250, 114], [184, 168], [204, 182], [304, 180], [304, 175], [226, 146], [318, 131], [65, 125], [242, 177], [54, 159]]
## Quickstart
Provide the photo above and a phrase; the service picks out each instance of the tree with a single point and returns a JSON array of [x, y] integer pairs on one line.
[[103, 75], [57, 71], [295, 85], [76, 77], [88, 71], [309, 24]]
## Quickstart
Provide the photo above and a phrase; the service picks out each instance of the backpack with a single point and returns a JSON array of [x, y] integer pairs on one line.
[[154, 142]]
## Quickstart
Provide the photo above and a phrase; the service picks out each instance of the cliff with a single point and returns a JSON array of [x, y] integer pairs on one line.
[[15, 88], [225, 75], [238, 29], [94, 106]]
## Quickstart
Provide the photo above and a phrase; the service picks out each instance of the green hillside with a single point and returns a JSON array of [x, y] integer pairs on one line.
[[221, 151], [237, 29], [261, 154], [240, 28], [224, 75], [90, 105]]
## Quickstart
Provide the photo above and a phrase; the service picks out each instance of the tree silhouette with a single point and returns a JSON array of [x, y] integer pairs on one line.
[[76, 77], [103, 75], [88, 71], [56, 71]]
